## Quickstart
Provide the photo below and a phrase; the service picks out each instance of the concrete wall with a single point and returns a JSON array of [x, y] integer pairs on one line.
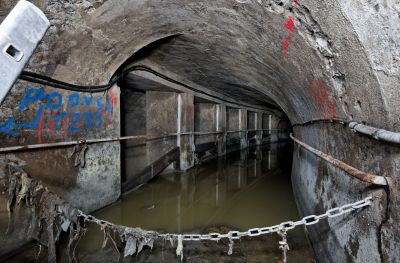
[[54, 116], [320, 186], [133, 122], [232, 121], [205, 120], [161, 115]]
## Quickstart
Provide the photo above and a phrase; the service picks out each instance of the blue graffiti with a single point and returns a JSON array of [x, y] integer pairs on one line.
[[98, 118], [73, 97], [28, 98], [109, 105], [87, 120], [71, 127], [57, 118], [48, 101], [9, 125], [88, 101], [54, 102], [101, 107]]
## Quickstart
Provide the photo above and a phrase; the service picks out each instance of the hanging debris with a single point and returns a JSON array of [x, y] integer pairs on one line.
[[179, 248], [50, 215], [79, 152], [283, 244]]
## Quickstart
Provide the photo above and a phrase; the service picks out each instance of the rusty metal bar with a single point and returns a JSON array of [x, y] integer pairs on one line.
[[206, 133], [368, 178], [253, 130], [61, 144]]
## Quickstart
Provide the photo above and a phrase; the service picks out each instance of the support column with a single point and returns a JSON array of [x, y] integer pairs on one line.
[[259, 126], [221, 127], [273, 123], [243, 127], [186, 124]]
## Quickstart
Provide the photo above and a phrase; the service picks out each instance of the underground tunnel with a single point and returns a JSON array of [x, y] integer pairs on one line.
[[200, 131]]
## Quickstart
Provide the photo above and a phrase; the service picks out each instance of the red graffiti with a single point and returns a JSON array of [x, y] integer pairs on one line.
[[40, 128], [191, 114], [108, 120], [321, 99], [66, 123], [224, 116], [114, 97], [286, 45], [290, 24], [110, 103], [282, 123], [52, 123]]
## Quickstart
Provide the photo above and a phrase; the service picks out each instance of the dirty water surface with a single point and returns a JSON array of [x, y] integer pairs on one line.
[[245, 189]]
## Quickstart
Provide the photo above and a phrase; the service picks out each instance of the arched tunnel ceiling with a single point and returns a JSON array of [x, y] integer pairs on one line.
[[330, 68]]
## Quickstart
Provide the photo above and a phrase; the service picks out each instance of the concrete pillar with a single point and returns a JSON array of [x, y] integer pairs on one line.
[[186, 124], [205, 121], [221, 127], [273, 126], [259, 121], [243, 127], [161, 117], [232, 124]]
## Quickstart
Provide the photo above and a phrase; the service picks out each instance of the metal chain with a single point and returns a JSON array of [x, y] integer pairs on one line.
[[308, 220]]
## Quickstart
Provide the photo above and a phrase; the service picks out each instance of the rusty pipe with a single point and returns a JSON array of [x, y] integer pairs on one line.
[[368, 178], [61, 144]]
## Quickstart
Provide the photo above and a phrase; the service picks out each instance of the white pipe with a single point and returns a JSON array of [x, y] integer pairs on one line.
[[376, 133]]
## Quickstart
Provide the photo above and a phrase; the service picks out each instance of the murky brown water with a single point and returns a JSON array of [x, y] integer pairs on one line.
[[246, 189]]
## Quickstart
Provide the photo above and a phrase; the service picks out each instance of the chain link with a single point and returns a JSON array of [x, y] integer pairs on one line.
[[308, 220]]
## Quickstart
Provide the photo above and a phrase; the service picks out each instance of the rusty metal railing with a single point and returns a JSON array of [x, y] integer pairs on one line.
[[368, 178], [70, 143]]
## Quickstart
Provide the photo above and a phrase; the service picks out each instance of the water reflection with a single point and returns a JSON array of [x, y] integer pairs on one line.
[[245, 189]]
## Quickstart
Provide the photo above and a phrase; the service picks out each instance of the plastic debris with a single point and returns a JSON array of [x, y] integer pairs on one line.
[[230, 247], [283, 244], [179, 248]]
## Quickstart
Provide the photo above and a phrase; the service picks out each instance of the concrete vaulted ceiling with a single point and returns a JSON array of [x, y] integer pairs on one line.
[[330, 68], [342, 60]]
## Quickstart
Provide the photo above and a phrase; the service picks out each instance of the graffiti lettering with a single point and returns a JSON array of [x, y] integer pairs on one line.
[[71, 127], [87, 120], [72, 98], [88, 101], [48, 101], [57, 120], [29, 98], [9, 124], [98, 118], [100, 106]]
